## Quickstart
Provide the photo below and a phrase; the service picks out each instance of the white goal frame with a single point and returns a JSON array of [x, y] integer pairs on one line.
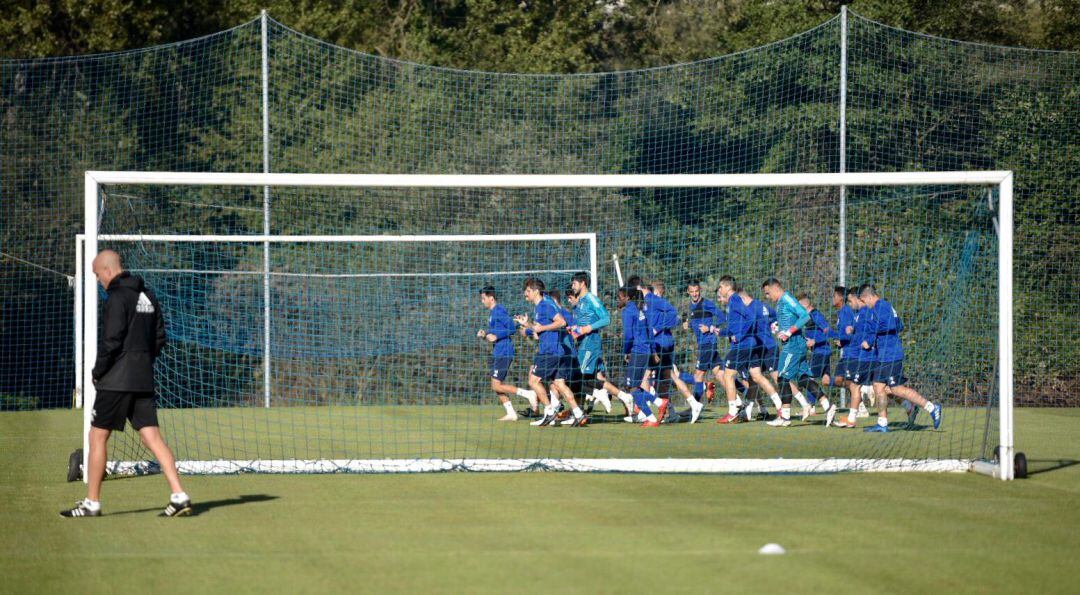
[[1002, 180]]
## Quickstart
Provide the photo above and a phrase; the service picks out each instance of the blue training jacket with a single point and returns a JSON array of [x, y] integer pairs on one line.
[[705, 312], [845, 317], [763, 324], [636, 334], [661, 317], [865, 330], [545, 313], [568, 343], [502, 326], [741, 323], [818, 330], [887, 330]]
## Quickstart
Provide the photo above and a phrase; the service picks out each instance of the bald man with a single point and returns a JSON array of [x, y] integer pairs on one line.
[[133, 334]]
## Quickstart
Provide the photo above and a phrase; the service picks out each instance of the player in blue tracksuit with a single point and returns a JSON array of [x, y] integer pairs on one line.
[[704, 319], [864, 339], [817, 339], [888, 375], [768, 355], [569, 374], [853, 357], [794, 372], [662, 318], [499, 333], [547, 320], [637, 350], [743, 356]]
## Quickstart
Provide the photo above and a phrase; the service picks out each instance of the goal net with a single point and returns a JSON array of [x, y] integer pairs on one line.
[[328, 323]]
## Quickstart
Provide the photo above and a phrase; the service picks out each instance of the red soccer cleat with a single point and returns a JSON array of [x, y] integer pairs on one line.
[[661, 410], [728, 419], [650, 424]]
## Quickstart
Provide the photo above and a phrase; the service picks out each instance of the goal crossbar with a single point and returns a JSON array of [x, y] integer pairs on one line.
[[1002, 180]]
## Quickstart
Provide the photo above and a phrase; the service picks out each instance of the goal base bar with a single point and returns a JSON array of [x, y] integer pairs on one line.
[[743, 466]]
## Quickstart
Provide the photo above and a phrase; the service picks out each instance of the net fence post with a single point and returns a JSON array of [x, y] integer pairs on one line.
[[90, 307], [266, 207], [843, 159], [592, 264], [1005, 326], [77, 283]]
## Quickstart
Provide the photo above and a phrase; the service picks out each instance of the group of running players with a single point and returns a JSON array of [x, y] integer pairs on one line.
[[751, 349]]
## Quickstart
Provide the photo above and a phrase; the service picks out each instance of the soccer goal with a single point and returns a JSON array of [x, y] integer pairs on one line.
[[328, 322]]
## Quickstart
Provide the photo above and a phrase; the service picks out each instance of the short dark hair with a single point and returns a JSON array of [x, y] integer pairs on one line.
[[729, 281], [840, 290], [693, 283], [533, 283], [803, 296], [633, 281], [867, 288], [555, 294], [853, 291], [569, 292], [771, 282], [581, 277], [488, 291]]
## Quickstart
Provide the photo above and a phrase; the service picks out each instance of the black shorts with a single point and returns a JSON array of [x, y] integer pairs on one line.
[[819, 364], [666, 356], [708, 358], [768, 360], [740, 359], [846, 368], [545, 366], [500, 366], [635, 370], [864, 372], [889, 373], [113, 408]]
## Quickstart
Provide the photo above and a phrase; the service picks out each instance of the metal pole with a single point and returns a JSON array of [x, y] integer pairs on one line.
[[843, 142], [1005, 327], [266, 210], [78, 283], [592, 265], [90, 311]]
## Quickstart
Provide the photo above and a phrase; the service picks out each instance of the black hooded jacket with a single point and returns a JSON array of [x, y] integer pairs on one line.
[[132, 335]]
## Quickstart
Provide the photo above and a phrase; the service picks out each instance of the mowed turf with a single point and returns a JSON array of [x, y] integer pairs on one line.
[[530, 532]]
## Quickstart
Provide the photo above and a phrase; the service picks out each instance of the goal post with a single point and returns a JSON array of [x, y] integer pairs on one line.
[[881, 459]]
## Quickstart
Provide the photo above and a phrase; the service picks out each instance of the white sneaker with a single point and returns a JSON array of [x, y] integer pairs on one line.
[[807, 412], [830, 416], [604, 399], [749, 411], [863, 411], [695, 410], [779, 422], [509, 417]]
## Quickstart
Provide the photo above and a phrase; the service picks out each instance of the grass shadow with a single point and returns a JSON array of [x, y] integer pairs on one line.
[[199, 508], [1036, 466]]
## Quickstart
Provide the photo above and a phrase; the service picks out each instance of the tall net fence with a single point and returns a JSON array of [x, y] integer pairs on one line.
[[912, 103]]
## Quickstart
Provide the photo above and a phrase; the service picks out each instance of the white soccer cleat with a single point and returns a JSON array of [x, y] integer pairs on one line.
[[779, 422], [604, 399], [863, 411], [830, 416], [749, 411], [807, 412], [695, 410], [509, 417]]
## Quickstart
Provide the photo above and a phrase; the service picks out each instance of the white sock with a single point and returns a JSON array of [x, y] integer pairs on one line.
[[92, 504], [178, 497], [882, 421], [657, 401], [929, 407], [738, 402], [732, 408], [554, 402], [785, 412], [577, 412], [692, 400], [824, 403], [509, 407], [549, 410], [851, 415], [625, 397], [522, 393], [589, 398], [777, 403], [802, 400]]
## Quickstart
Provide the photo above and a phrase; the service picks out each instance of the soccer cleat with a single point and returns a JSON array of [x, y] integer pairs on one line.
[[830, 415], [843, 423], [580, 422], [807, 412], [863, 411], [748, 411], [695, 411], [529, 413], [530, 396], [936, 416], [877, 429], [912, 415], [604, 399], [509, 417], [662, 409], [650, 424], [710, 391], [779, 422], [80, 510], [588, 406], [174, 509], [728, 419], [544, 421]]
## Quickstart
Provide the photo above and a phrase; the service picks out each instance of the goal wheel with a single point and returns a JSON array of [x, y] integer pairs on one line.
[[1020, 466], [75, 462]]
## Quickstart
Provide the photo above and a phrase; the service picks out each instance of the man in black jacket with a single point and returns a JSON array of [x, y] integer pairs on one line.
[[133, 334]]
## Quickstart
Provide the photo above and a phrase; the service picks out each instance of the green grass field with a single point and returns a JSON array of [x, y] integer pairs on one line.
[[853, 533]]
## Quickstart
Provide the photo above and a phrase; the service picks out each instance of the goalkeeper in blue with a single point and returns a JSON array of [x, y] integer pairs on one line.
[[791, 317], [590, 316], [500, 333], [888, 376]]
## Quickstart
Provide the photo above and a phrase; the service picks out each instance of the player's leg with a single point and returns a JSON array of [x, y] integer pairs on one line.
[[735, 362], [95, 462], [111, 411], [846, 372], [892, 375], [543, 370], [143, 416]]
